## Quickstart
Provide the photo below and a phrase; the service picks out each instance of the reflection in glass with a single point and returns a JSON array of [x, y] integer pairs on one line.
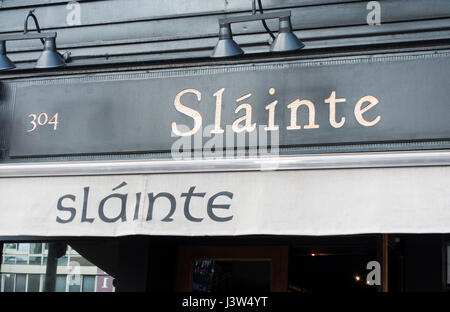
[[9, 260], [21, 280], [227, 276], [80, 260], [36, 248], [34, 282], [448, 264], [60, 283], [35, 260], [11, 246], [21, 260], [32, 259], [23, 247], [75, 288], [75, 283], [203, 275], [62, 261], [88, 283], [9, 282]]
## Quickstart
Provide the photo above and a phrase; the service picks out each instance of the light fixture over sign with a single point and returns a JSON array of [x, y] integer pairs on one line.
[[5, 62], [50, 58], [285, 40]]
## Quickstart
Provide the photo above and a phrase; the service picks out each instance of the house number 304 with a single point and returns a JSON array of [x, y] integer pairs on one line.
[[42, 119]]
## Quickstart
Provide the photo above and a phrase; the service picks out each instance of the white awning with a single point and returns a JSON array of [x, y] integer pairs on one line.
[[281, 202]]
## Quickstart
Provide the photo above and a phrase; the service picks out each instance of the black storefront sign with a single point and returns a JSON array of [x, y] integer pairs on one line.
[[340, 102]]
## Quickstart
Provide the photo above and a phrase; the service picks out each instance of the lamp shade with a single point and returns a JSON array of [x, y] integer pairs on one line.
[[226, 46], [286, 40], [50, 58], [5, 62]]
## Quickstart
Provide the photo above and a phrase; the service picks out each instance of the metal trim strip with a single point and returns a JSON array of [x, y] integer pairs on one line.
[[298, 162]]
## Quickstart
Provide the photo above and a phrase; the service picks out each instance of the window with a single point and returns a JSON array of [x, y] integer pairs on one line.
[[11, 246], [75, 288], [35, 260], [75, 283], [23, 248], [82, 261], [88, 283], [34, 282], [9, 282], [60, 283], [21, 281], [226, 268], [21, 260], [25, 267], [231, 275], [9, 260], [448, 264], [36, 248], [62, 261]]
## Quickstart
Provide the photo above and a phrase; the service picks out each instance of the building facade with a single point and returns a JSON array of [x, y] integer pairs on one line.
[[24, 269], [225, 145]]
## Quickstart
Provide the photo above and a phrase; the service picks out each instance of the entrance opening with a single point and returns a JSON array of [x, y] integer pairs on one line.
[[232, 268], [227, 276]]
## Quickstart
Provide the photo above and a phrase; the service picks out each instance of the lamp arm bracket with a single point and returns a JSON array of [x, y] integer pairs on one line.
[[261, 10], [255, 17], [42, 35], [36, 23]]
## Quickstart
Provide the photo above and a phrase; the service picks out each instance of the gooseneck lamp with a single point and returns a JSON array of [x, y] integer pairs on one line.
[[50, 58], [5, 62], [285, 40], [226, 46]]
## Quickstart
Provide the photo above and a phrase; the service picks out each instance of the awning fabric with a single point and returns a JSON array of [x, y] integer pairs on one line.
[[292, 202]]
